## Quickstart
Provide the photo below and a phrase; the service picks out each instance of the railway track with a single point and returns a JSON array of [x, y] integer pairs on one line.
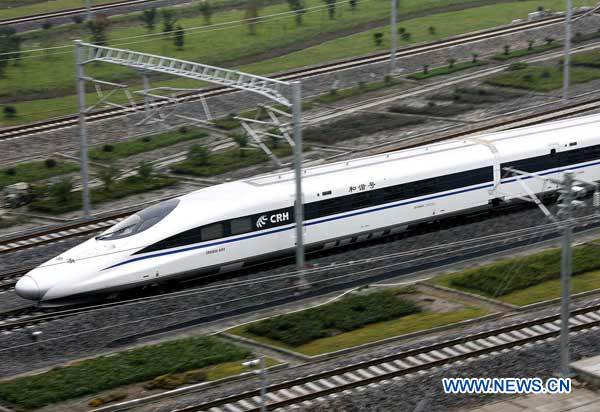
[[70, 12], [308, 390], [406, 261], [69, 121], [84, 227]]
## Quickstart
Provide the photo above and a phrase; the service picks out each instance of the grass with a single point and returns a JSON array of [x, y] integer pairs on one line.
[[345, 315], [144, 144], [525, 52], [542, 79], [229, 160], [52, 93], [34, 171], [104, 373], [121, 188], [335, 95], [373, 332], [432, 109], [477, 95], [358, 125], [442, 71], [6, 222], [527, 279], [588, 59]]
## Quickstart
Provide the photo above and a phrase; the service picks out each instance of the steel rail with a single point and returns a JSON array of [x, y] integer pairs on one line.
[[360, 374], [71, 120], [70, 12]]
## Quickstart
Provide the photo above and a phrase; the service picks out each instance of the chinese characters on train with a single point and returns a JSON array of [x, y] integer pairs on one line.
[[361, 187]]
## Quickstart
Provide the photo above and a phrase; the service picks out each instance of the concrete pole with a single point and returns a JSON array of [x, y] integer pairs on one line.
[[146, 83], [393, 37], [299, 200], [567, 56], [263, 384], [88, 9], [82, 129], [565, 272]]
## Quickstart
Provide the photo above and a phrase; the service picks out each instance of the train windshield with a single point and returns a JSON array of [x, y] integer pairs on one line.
[[142, 220]]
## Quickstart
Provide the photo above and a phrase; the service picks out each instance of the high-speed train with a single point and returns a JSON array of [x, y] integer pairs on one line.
[[228, 226]]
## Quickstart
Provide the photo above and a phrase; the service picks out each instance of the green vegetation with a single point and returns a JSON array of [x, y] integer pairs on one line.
[[144, 144], [478, 95], [104, 373], [358, 125], [337, 339], [502, 278], [525, 52], [53, 89], [587, 59], [226, 161], [34, 171], [64, 200], [432, 109], [339, 94], [10, 221], [541, 79], [345, 315], [451, 68]]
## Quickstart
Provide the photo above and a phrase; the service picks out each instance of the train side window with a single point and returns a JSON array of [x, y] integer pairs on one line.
[[210, 232], [241, 225]]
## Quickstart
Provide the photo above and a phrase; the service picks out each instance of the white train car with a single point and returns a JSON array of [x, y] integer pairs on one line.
[[227, 226]]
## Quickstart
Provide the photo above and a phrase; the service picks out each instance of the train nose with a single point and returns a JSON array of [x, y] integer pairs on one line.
[[27, 288]]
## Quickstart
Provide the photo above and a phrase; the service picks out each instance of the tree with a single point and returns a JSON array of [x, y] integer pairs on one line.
[[297, 6], [330, 8], [474, 57], [169, 19], [98, 28], [353, 4], [252, 8], [107, 176], [179, 38], [149, 18], [530, 44], [61, 190], [425, 68], [9, 43], [207, 10], [549, 40], [242, 141], [145, 170], [451, 62], [378, 37], [10, 112], [506, 49], [198, 154]]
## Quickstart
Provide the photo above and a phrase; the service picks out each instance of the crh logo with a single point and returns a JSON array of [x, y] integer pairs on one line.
[[274, 219], [261, 221]]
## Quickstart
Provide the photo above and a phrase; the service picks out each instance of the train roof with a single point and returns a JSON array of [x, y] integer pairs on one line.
[[452, 155]]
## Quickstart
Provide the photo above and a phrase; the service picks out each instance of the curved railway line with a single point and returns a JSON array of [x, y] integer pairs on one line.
[[84, 227], [411, 260], [307, 390], [69, 121]]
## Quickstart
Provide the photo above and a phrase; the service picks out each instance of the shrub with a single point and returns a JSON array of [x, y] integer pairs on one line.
[[11, 171], [61, 190], [501, 278], [183, 129], [545, 74], [387, 79], [343, 316], [47, 25], [474, 57], [77, 19], [506, 49], [242, 141], [425, 69], [146, 139], [107, 176], [378, 37], [406, 36], [50, 163], [401, 30], [549, 40], [10, 112], [517, 66], [431, 30], [528, 77], [108, 148], [198, 154], [530, 44], [451, 62], [145, 170]]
